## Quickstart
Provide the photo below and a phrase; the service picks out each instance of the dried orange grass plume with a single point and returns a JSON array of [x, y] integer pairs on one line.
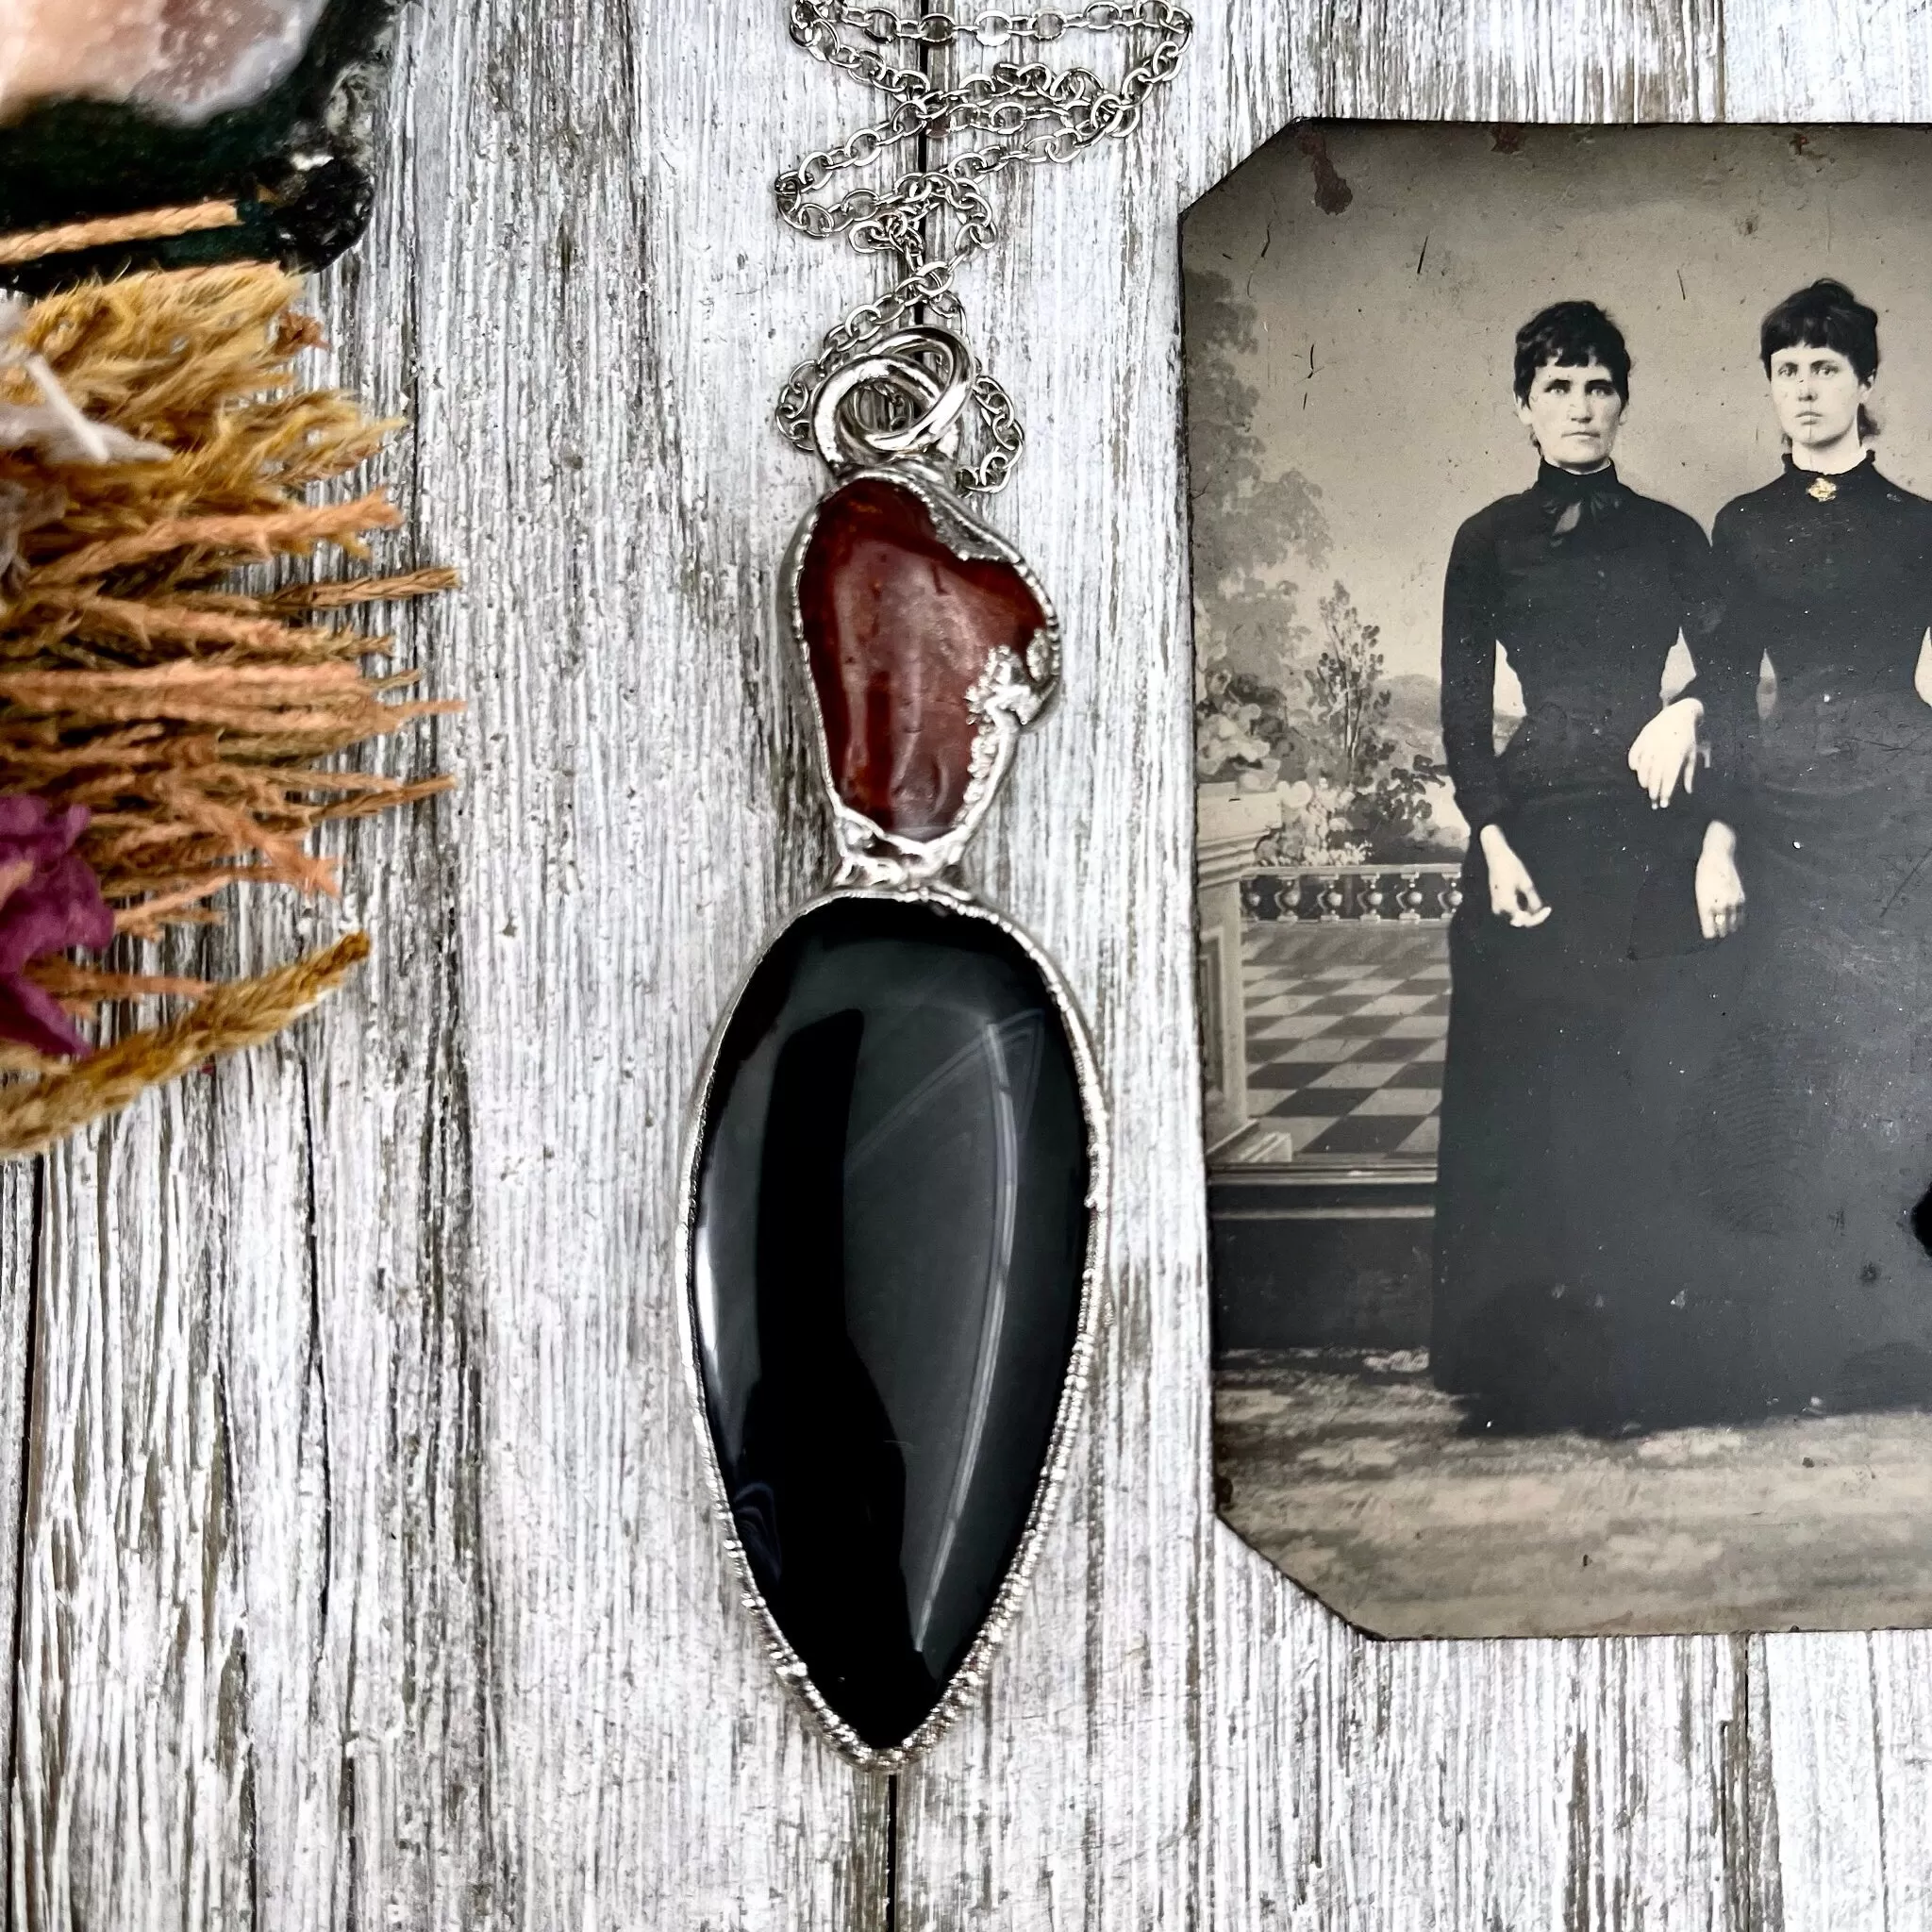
[[201, 723]]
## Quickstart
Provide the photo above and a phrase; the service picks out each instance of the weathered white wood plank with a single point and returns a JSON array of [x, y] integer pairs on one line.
[[1850, 60], [1898, 1692], [1359, 1784], [1830, 1793], [368, 1582], [20, 1183], [1551, 61], [1255, 66], [590, 284], [130, 1799], [1093, 855]]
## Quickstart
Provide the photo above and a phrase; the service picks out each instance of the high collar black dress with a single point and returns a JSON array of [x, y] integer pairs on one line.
[[1820, 1145], [1570, 1043], [1586, 585]]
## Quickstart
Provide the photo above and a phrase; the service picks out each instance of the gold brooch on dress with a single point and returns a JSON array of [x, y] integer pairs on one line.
[[1822, 490]]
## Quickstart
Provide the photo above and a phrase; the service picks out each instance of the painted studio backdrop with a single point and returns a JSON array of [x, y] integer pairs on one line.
[[1352, 299]]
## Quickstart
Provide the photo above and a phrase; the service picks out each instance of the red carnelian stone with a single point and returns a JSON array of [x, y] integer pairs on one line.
[[897, 630]]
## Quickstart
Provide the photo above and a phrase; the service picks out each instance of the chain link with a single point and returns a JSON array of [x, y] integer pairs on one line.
[[1015, 115]]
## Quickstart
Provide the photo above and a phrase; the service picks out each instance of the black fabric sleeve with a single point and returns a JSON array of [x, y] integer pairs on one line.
[[1701, 615], [1470, 605], [1728, 662]]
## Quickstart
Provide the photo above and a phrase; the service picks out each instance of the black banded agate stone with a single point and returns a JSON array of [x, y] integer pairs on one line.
[[889, 1229]]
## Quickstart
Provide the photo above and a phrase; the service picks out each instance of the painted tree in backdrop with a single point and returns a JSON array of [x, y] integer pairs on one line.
[[1350, 698], [1251, 516], [1348, 694]]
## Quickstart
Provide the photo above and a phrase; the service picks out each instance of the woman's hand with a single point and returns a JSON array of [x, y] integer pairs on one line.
[[1666, 750], [1512, 891], [1720, 891]]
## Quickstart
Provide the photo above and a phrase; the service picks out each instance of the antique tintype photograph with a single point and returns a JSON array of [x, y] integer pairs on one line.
[[1562, 577]]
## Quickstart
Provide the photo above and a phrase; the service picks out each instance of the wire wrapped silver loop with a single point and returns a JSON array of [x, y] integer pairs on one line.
[[927, 371]]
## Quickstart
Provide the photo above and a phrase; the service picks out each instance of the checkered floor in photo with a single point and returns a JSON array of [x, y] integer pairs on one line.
[[1346, 1028]]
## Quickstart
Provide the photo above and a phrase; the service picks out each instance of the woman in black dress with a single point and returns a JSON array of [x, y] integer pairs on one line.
[[1821, 1141], [1581, 1002]]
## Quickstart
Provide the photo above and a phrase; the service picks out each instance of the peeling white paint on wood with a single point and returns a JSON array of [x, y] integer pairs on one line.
[[365, 1579]]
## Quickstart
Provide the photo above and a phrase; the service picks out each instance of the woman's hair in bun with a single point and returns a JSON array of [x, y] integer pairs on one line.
[[1826, 315]]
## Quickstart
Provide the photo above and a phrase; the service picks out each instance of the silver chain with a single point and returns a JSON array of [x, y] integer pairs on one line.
[[1017, 115]]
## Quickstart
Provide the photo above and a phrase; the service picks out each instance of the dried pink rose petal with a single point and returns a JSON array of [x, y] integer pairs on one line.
[[49, 901]]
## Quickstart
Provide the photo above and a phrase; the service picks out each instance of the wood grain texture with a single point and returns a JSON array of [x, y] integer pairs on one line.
[[1854, 60], [19, 1188], [366, 1578]]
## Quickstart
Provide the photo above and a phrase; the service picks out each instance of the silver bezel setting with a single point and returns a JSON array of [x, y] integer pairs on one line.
[[966, 1682], [1007, 697]]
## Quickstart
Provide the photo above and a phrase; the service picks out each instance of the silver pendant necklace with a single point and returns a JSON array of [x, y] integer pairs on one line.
[[895, 1178]]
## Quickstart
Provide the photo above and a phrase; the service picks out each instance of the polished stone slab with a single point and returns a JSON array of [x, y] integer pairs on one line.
[[899, 631], [891, 1230]]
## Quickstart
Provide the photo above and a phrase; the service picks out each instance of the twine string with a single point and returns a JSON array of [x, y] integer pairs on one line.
[[151, 225], [199, 717]]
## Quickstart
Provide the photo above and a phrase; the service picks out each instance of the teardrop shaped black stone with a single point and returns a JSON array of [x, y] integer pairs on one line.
[[890, 1234]]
